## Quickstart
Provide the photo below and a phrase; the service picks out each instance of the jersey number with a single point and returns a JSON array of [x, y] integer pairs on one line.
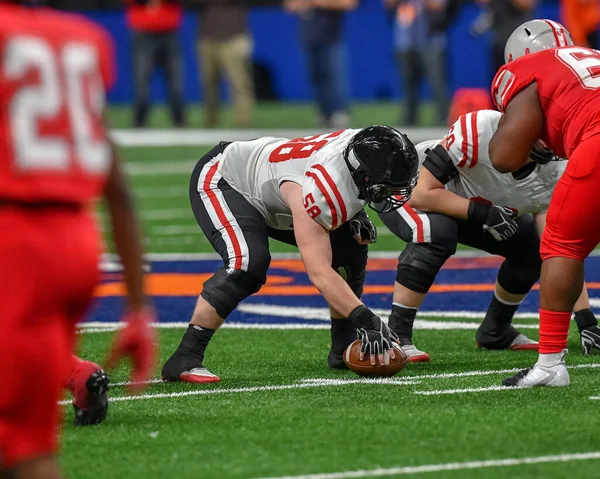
[[301, 148], [309, 204], [70, 81], [584, 63]]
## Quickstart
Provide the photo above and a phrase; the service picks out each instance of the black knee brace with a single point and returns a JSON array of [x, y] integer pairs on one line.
[[419, 263], [224, 291], [518, 275]]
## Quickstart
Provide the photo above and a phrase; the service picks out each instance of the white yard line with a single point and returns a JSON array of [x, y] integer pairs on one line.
[[163, 191], [452, 466], [160, 257], [176, 230], [206, 392], [439, 392], [166, 168]]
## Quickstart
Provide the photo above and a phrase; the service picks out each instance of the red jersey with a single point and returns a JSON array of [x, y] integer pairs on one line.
[[568, 85], [54, 72]]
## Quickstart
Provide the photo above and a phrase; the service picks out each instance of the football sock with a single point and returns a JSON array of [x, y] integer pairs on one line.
[[548, 359], [195, 340], [585, 319], [554, 329], [499, 314], [401, 322], [342, 334]]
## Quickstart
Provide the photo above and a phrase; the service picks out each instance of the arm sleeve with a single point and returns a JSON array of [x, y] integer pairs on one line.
[[440, 165]]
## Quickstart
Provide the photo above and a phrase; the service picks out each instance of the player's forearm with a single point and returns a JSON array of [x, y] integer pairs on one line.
[[440, 200], [127, 238], [334, 289]]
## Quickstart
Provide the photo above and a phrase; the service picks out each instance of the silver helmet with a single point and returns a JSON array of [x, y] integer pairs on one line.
[[535, 36]]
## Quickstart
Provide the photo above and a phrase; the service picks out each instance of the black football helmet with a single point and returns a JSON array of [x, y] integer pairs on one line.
[[384, 165]]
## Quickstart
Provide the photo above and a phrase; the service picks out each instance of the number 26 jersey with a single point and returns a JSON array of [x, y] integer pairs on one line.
[[568, 86], [257, 168], [54, 71]]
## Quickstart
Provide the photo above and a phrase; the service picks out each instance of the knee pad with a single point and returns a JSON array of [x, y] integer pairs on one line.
[[418, 265], [518, 275], [224, 291]]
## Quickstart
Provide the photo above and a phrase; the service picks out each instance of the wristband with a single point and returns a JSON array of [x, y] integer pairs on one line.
[[478, 211]]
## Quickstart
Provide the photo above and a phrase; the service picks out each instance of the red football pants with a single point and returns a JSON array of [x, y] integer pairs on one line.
[[48, 272], [573, 221]]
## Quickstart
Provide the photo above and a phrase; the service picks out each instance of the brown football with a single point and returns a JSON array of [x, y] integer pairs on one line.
[[364, 368]]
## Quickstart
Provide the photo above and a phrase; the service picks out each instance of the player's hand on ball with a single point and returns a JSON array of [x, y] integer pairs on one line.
[[137, 340], [375, 335], [363, 230]]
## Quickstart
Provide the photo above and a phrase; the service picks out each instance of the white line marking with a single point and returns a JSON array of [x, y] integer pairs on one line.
[[204, 392], [162, 215], [159, 257], [201, 137], [452, 466], [322, 314], [176, 230], [155, 192], [168, 168], [465, 390]]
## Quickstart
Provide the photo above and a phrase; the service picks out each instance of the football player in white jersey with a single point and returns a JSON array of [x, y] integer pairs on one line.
[[309, 192], [461, 198]]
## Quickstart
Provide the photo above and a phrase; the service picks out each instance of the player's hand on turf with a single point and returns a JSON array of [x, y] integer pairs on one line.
[[137, 340], [375, 335], [590, 339], [363, 229]]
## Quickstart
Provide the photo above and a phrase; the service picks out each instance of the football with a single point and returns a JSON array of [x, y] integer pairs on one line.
[[366, 369]]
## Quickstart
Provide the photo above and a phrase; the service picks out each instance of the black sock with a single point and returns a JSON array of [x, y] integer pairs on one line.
[[195, 340], [499, 316], [401, 322], [343, 333], [585, 319]]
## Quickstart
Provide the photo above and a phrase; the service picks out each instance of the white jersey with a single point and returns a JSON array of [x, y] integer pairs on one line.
[[257, 168], [468, 144]]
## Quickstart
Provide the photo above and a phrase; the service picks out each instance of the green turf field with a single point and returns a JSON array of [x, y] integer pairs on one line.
[[309, 428]]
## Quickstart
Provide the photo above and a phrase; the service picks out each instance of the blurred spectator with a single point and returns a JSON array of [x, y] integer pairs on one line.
[[421, 42], [225, 46], [321, 25], [504, 17], [155, 26], [582, 19]]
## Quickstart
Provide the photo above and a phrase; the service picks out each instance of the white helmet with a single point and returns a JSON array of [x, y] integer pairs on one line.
[[535, 36]]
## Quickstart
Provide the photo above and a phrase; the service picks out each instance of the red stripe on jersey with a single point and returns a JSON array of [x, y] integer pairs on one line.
[[214, 201], [508, 86], [327, 196], [557, 34], [475, 133], [419, 222], [465, 142], [335, 190]]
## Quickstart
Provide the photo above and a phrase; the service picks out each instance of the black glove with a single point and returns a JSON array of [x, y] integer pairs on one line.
[[375, 335], [362, 228], [496, 220], [590, 339], [543, 155]]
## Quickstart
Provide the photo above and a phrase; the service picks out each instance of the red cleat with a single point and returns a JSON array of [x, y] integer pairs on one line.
[[89, 385], [199, 376]]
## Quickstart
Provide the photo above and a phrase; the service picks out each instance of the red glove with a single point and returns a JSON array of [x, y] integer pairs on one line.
[[137, 340]]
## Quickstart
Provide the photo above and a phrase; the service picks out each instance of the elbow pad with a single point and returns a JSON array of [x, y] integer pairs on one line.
[[440, 165]]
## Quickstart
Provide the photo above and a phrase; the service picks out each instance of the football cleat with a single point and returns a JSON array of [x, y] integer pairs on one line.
[[590, 339], [342, 335], [555, 375], [414, 354], [335, 360], [523, 343], [199, 376], [187, 368], [89, 385]]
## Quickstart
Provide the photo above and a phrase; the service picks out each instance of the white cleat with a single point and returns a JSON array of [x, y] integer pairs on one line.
[[414, 354], [555, 375]]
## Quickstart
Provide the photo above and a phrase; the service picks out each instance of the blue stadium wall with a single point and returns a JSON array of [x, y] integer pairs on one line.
[[373, 74]]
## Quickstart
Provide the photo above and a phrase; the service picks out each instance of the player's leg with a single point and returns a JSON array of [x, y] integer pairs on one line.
[[208, 52], [571, 233], [350, 260], [517, 274], [431, 239], [143, 67], [238, 67], [32, 350], [239, 234]]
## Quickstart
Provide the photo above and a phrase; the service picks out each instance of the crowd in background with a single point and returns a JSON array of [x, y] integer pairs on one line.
[[224, 48]]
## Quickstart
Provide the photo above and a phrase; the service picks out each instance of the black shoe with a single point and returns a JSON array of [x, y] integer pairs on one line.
[[97, 401], [178, 364], [495, 340]]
